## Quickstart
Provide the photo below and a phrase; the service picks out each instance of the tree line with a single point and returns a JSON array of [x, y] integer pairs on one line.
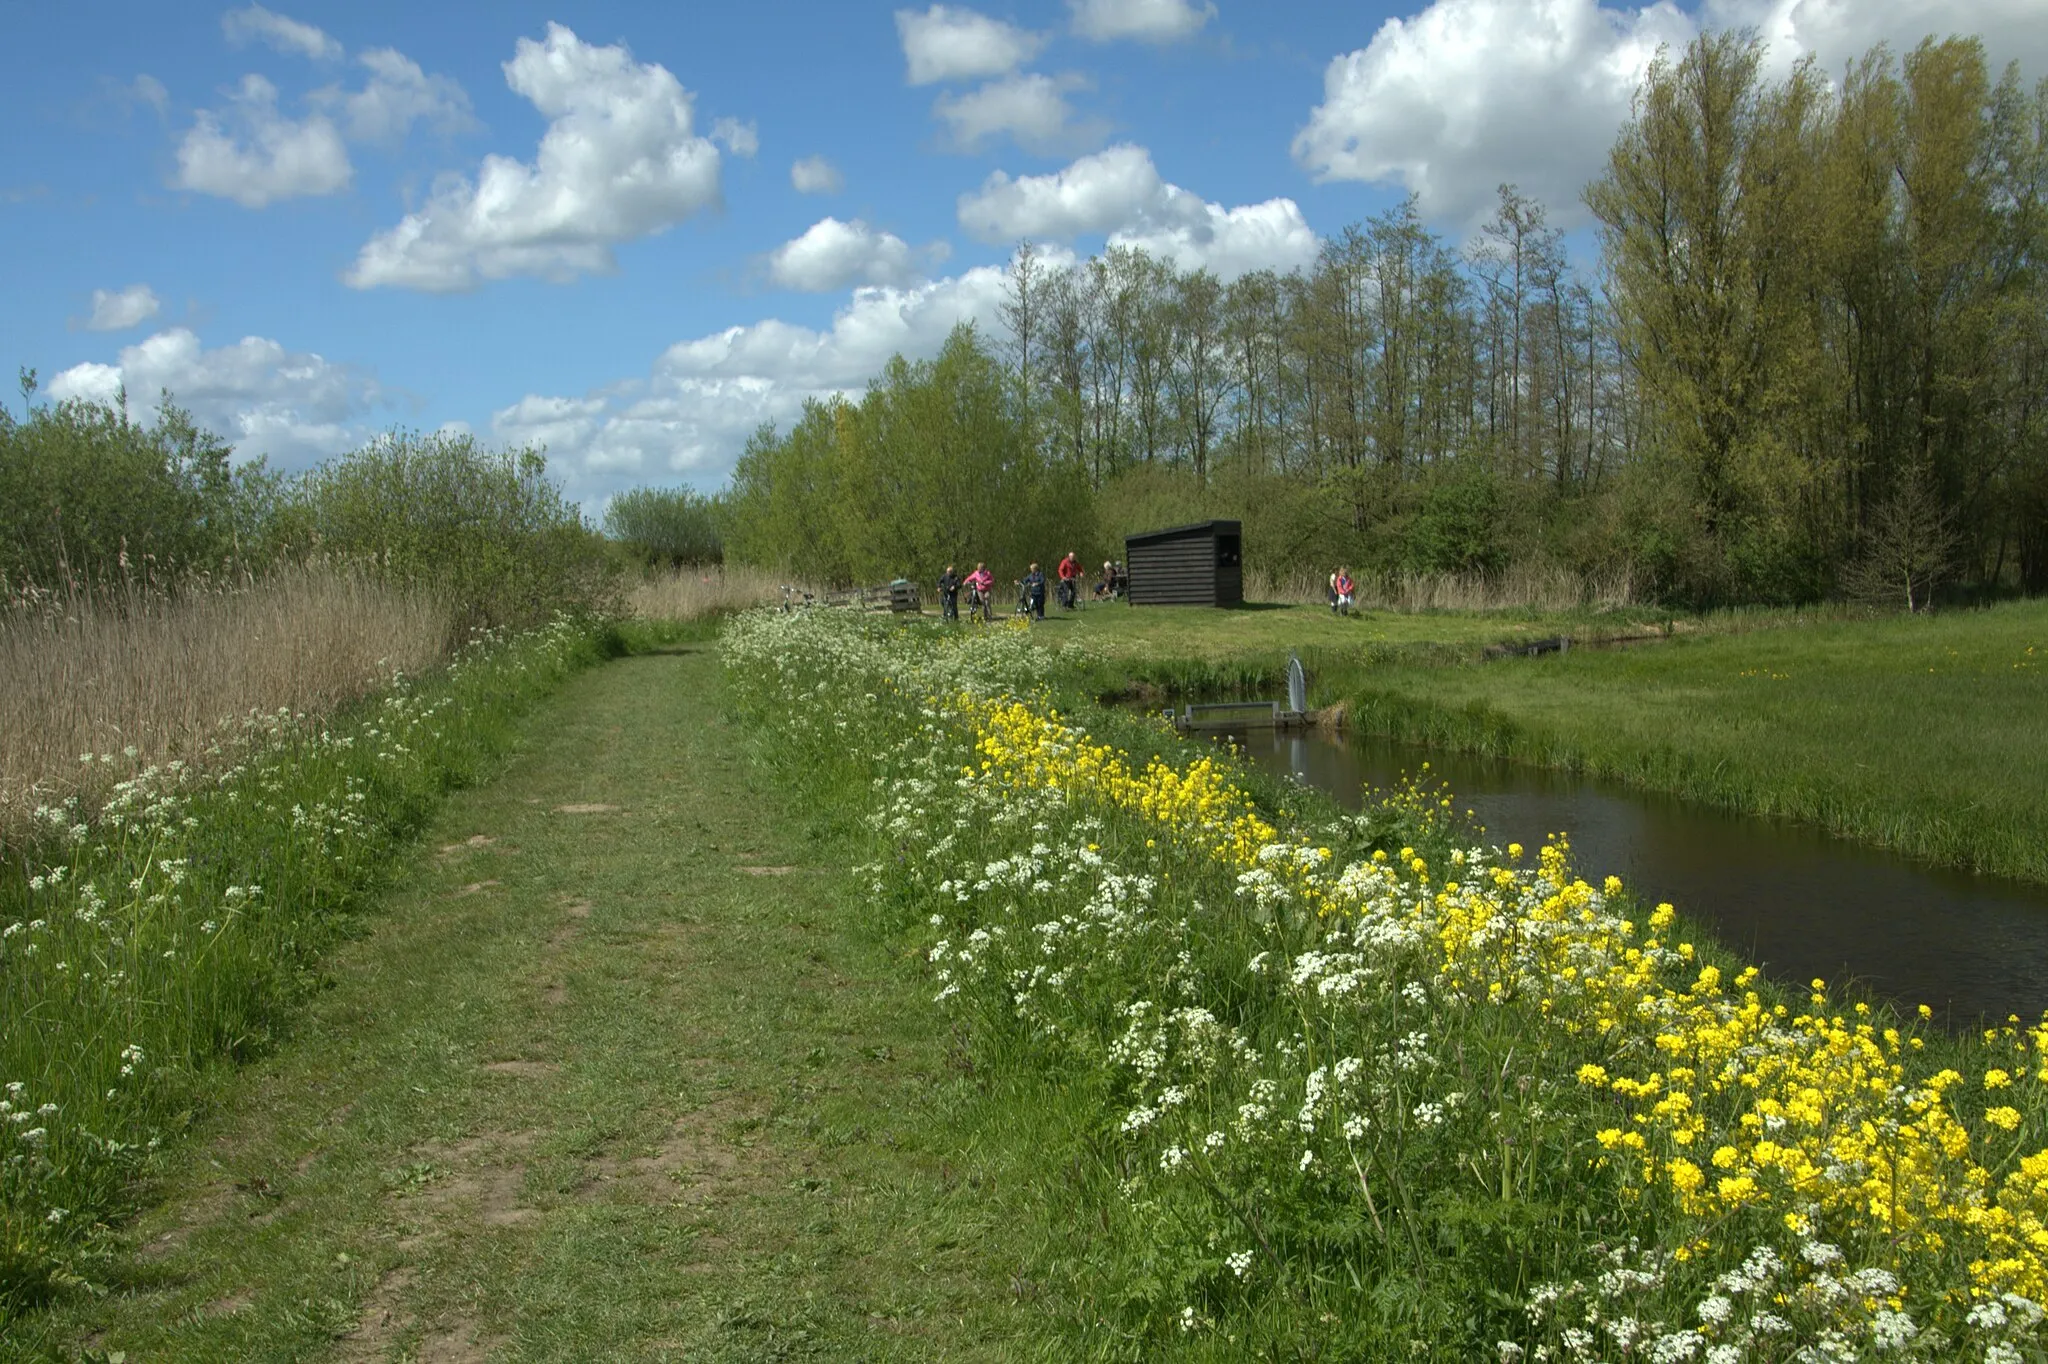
[[1810, 359]]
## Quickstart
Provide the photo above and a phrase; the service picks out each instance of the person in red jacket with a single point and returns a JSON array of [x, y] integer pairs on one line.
[[1070, 580]]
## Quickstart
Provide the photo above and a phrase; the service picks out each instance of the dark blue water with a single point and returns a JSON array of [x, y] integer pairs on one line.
[[1797, 902]]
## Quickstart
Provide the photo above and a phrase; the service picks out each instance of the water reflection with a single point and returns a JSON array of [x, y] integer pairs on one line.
[[1798, 903]]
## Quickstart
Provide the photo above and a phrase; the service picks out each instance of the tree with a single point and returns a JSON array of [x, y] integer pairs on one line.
[[1907, 548]]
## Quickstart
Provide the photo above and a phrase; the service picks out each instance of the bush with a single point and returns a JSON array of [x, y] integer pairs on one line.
[[668, 527], [487, 529], [89, 496]]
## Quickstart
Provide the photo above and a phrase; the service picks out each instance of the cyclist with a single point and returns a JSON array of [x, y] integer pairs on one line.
[[1069, 571], [1031, 592], [980, 586]]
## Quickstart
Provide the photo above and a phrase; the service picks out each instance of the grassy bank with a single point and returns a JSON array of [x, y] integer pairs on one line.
[[1922, 735], [148, 935], [1364, 1089]]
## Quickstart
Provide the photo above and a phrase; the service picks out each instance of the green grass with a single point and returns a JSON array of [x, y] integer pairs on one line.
[[1925, 735], [1262, 631], [634, 1083]]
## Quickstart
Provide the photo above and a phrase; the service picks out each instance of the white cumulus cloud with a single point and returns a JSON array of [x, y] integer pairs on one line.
[[816, 175], [146, 89], [1467, 94], [692, 413], [294, 406], [1032, 109], [259, 25], [741, 139], [947, 43], [255, 155], [253, 23], [1120, 193], [832, 255], [397, 95], [1837, 32], [619, 161], [116, 310], [1152, 21]]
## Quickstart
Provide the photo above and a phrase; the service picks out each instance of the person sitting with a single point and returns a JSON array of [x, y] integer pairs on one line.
[[1105, 589], [1342, 591]]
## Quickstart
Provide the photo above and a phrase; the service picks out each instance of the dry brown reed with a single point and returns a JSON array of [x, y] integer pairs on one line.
[[146, 678], [694, 593], [1544, 587]]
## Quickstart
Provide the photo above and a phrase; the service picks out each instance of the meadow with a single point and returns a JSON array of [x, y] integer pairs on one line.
[[1364, 1087], [1207, 1069]]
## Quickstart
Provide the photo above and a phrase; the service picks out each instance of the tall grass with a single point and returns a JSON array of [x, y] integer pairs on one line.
[[1538, 587], [697, 593], [138, 678]]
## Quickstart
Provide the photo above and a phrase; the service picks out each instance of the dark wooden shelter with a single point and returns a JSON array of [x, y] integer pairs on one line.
[[1197, 565]]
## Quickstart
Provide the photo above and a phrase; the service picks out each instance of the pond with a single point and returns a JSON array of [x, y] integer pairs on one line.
[[1797, 902]]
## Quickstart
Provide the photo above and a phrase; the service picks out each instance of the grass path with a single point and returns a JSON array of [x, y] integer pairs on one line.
[[613, 1077]]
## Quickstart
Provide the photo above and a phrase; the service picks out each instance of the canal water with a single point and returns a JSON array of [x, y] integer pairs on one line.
[[1797, 902]]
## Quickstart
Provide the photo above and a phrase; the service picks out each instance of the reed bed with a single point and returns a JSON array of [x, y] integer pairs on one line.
[[1541, 587], [138, 679], [698, 593]]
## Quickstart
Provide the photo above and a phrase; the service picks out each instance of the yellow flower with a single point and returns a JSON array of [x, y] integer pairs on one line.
[[2002, 1117]]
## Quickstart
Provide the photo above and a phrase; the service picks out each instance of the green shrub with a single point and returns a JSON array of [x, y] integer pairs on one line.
[[90, 496], [668, 526], [486, 528]]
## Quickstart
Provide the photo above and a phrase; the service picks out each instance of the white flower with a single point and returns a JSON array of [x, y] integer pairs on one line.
[[1821, 1253], [1715, 1310], [1239, 1262], [1890, 1330]]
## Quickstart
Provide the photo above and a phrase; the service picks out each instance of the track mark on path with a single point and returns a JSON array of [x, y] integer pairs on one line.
[[523, 1069]]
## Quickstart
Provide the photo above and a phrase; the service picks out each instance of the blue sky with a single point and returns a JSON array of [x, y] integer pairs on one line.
[[634, 231]]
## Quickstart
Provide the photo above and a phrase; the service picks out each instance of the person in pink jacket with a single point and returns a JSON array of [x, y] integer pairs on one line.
[[979, 585]]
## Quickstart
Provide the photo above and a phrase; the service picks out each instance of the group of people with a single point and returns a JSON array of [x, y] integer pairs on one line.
[[1069, 574]]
